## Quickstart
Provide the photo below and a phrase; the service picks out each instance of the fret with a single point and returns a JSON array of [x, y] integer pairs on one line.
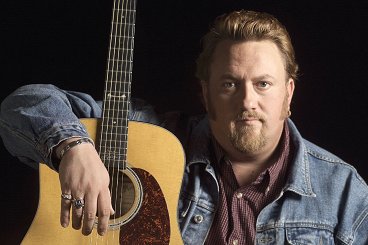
[[123, 23], [113, 153], [121, 36], [114, 111], [123, 66], [117, 88], [118, 129], [118, 71], [115, 164], [122, 49], [112, 122], [116, 96], [111, 161], [117, 75], [113, 148], [117, 120], [119, 54], [112, 75], [120, 61], [126, 10], [121, 128], [110, 109], [123, 134], [123, 77], [127, 30], [117, 144], [111, 126], [117, 147], [117, 82]]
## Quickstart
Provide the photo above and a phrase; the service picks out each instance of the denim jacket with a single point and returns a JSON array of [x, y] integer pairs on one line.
[[324, 200]]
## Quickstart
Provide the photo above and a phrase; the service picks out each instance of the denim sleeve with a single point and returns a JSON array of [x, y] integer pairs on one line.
[[37, 117]]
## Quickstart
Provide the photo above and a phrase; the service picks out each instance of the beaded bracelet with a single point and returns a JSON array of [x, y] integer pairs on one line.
[[74, 143]]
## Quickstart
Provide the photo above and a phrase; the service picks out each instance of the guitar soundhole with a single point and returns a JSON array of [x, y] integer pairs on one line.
[[122, 193], [126, 196]]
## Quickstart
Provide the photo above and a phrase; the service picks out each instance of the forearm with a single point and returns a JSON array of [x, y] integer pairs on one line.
[[36, 118]]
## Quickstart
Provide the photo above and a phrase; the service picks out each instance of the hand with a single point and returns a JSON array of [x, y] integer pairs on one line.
[[83, 175]]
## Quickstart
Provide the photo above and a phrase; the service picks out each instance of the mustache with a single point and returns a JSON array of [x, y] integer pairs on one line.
[[250, 114]]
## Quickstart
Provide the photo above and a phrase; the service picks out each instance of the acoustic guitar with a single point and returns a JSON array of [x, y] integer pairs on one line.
[[145, 163]]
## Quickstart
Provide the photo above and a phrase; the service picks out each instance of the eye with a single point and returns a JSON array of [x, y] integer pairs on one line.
[[263, 84], [229, 85]]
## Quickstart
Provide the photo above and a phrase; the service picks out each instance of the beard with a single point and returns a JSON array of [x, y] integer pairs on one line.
[[246, 138]]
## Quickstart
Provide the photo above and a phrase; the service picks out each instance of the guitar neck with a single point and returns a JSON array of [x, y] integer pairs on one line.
[[113, 139]]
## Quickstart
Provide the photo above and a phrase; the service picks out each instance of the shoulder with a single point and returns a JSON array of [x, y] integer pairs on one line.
[[326, 162], [340, 191]]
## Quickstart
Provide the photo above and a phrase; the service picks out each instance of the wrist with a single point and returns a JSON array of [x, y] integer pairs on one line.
[[70, 143]]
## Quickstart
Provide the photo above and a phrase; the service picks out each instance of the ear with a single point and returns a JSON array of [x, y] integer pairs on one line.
[[290, 86], [205, 92]]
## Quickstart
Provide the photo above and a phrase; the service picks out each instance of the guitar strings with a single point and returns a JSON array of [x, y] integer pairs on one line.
[[106, 104], [116, 81], [119, 73], [110, 78]]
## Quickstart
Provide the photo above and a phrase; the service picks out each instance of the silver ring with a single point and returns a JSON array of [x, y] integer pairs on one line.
[[78, 203], [66, 196]]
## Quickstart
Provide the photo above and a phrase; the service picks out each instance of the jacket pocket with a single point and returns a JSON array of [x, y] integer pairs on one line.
[[309, 236]]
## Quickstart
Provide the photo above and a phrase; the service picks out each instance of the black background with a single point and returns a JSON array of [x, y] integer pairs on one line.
[[65, 43]]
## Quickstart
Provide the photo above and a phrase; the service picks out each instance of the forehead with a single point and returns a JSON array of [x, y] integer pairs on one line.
[[248, 58]]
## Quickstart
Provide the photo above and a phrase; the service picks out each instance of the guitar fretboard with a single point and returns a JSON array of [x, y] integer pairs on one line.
[[114, 131]]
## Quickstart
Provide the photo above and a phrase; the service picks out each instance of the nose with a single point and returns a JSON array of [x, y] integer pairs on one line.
[[248, 98]]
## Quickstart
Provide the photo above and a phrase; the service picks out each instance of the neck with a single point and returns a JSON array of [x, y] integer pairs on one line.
[[248, 168]]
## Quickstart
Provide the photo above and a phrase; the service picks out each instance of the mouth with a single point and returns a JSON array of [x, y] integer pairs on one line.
[[248, 121], [247, 118]]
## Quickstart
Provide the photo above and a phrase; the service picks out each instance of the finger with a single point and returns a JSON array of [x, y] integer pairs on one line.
[[104, 211], [65, 211], [89, 214], [77, 212]]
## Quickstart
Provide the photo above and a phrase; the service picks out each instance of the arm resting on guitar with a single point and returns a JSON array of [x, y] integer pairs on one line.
[[35, 118]]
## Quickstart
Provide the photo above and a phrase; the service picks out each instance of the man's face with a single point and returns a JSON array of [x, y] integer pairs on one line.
[[247, 96]]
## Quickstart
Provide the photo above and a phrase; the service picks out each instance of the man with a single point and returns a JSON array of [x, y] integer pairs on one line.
[[250, 176]]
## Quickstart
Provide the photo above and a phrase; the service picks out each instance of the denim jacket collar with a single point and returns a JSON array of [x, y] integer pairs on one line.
[[199, 147], [298, 180]]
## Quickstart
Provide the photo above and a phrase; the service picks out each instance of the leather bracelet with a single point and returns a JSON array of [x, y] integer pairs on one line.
[[74, 143]]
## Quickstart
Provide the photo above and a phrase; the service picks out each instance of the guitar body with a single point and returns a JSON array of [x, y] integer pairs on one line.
[[156, 163]]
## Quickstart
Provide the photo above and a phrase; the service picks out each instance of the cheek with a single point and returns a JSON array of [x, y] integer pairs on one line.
[[273, 106]]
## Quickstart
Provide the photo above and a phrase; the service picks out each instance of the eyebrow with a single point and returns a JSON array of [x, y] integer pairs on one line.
[[265, 76], [261, 77]]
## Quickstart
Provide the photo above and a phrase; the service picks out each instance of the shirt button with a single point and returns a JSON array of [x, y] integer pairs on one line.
[[198, 219], [235, 242], [239, 195]]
